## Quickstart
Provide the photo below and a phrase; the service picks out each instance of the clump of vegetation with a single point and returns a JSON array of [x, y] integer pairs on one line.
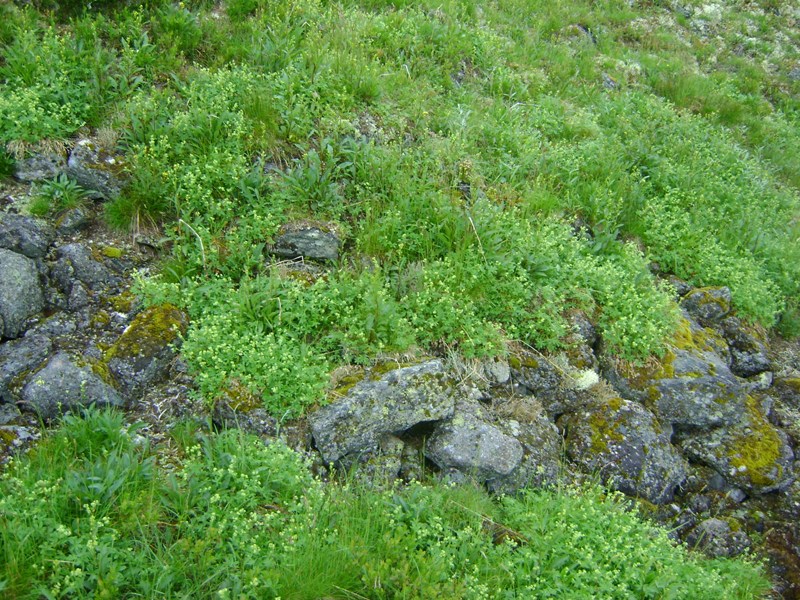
[[89, 513]]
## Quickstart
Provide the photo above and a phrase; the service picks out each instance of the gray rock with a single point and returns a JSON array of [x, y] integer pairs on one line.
[[97, 169], [627, 445], [716, 539], [753, 455], [75, 262], [692, 386], [538, 376], [21, 295], [143, 353], [73, 221], [19, 357], [541, 448], [40, 167], [24, 235], [708, 305], [9, 413], [748, 353], [497, 372], [392, 403], [474, 447], [78, 297], [306, 241], [62, 386]]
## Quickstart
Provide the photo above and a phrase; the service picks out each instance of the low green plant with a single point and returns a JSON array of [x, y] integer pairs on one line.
[[56, 195]]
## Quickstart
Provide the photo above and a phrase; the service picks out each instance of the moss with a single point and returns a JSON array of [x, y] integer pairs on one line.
[[122, 303], [111, 252], [241, 398], [100, 368], [604, 427], [381, 368], [757, 451], [706, 297], [793, 383], [100, 319], [150, 331], [345, 384], [7, 436]]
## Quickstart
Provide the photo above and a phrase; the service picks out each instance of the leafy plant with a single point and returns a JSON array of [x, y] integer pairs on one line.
[[57, 195]]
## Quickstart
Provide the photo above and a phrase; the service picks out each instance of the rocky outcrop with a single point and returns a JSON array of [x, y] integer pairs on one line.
[[17, 359], [40, 167], [627, 445], [75, 262], [390, 403], [748, 352], [62, 385], [21, 295], [98, 169], [707, 305], [298, 240]]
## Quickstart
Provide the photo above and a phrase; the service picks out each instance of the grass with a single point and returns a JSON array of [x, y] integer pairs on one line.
[[91, 513]]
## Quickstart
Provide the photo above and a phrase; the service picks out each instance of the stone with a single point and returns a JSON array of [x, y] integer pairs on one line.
[[238, 407], [627, 446], [25, 235], [716, 539], [748, 352], [538, 376], [78, 297], [62, 386], [679, 285], [753, 455], [9, 413], [305, 241], [707, 305], [497, 371], [541, 452], [389, 403], [474, 447], [18, 358], [73, 220], [143, 353], [76, 262], [97, 169], [691, 387], [21, 295], [40, 167]]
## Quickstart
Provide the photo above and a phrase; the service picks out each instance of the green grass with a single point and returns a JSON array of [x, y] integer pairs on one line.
[[454, 145], [90, 513]]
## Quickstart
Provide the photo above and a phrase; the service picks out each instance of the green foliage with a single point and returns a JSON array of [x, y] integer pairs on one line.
[[56, 195], [90, 514]]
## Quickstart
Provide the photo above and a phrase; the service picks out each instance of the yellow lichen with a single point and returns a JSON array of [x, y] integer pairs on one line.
[[604, 428], [757, 452], [150, 331]]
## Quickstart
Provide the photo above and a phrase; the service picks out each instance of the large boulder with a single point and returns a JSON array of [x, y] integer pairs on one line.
[[98, 169], [62, 385], [474, 447], [306, 241], [143, 353], [753, 454], [17, 359], [24, 235], [40, 167], [691, 387], [21, 295], [626, 444], [390, 403]]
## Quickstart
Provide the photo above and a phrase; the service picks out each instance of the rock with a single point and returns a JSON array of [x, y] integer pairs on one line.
[[716, 539], [627, 445], [748, 353], [24, 235], [40, 167], [18, 358], [21, 295], [497, 371], [540, 377], [708, 305], [76, 262], [300, 240], [62, 386], [73, 220], [143, 353], [691, 387], [382, 467], [392, 403], [97, 169], [474, 447], [753, 455], [78, 297], [541, 451], [240, 408]]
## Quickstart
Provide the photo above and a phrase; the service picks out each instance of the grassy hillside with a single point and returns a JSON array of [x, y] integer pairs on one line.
[[490, 166]]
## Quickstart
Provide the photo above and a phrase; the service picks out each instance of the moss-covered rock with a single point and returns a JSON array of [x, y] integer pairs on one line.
[[627, 445], [142, 354], [690, 387], [97, 168], [708, 305], [753, 455]]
